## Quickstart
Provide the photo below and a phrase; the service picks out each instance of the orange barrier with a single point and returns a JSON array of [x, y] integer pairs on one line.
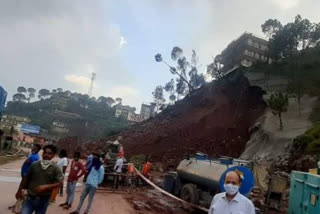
[[146, 168], [130, 168]]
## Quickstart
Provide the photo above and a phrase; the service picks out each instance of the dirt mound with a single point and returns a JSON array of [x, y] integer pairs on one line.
[[213, 119]]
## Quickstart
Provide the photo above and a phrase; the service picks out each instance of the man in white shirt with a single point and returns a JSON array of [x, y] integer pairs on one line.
[[118, 169], [231, 201], [63, 164]]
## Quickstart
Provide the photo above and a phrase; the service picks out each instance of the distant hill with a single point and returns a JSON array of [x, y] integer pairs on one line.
[[71, 114]]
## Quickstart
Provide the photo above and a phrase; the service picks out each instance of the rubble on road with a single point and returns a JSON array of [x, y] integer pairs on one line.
[[150, 201]]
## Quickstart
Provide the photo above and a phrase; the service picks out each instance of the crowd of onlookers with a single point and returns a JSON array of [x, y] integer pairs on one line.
[[42, 179]]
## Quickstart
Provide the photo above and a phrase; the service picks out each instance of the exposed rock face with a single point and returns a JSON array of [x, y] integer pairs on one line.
[[269, 144]]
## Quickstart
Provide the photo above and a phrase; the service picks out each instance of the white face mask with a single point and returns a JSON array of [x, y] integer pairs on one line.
[[231, 189], [101, 160]]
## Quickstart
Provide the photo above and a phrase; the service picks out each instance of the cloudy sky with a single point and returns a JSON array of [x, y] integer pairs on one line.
[[59, 43]]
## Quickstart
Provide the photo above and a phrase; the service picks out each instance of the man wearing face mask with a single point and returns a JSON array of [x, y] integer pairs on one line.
[[42, 177], [231, 201]]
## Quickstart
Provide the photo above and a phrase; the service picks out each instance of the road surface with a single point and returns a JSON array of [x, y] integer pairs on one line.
[[104, 203]]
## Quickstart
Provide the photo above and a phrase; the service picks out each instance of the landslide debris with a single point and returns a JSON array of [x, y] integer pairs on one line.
[[214, 119]]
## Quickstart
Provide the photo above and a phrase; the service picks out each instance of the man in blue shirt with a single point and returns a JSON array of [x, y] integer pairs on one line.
[[95, 177], [31, 159]]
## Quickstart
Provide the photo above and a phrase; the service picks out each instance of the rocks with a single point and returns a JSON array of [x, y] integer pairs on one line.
[[139, 205]]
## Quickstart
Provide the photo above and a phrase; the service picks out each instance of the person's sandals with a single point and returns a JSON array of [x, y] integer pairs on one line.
[[66, 207], [64, 204], [74, 212]]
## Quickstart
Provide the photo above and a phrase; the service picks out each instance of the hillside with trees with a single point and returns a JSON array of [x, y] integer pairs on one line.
[[79, 114], [294, 49]]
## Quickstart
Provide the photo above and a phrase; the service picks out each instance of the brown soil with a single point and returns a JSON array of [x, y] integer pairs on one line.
[[213, 119]]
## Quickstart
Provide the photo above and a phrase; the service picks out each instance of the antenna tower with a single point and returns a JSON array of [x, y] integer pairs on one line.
[[93, 77]]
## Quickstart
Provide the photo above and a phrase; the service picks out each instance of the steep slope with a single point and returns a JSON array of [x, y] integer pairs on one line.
[[268, 143], [213, 119]]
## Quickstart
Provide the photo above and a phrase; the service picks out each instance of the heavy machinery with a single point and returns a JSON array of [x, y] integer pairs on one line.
[[199, 178]]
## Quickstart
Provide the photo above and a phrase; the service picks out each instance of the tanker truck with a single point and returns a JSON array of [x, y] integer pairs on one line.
[[198, 178]]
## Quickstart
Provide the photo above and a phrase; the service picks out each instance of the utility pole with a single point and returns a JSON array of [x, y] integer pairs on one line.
[[93, 77]]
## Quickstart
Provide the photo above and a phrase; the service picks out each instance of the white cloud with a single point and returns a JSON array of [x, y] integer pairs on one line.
[[55, 41], [81, 83], [130, 95], [123, 42], [286, 4]]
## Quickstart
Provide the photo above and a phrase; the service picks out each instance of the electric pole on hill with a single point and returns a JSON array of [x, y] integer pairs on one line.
[[93, 77]]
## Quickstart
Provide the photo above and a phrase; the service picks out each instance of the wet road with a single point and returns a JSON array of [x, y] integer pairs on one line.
[[104, 203]]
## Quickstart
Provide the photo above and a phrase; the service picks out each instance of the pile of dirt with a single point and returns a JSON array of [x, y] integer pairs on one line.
[[149, 201], [213, 119]]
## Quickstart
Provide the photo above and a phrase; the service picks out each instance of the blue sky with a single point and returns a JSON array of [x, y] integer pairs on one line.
[[51, 44]]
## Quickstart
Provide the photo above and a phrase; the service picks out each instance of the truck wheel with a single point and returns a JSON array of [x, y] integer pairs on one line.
[[190, 194]]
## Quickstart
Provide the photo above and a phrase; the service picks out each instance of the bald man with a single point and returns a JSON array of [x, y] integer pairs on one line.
[[231, 201]]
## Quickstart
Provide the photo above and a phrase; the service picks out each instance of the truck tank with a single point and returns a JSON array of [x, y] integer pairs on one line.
[[206, 172]]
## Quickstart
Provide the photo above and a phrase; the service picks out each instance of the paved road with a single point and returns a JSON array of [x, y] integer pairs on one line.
[[104, 203]]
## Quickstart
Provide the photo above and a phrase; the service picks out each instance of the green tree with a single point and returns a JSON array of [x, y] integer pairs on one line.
[[279, 103], [170, 88], [158, 97], [315, 35], [196, 79], [118, 100], [288, 39], [43, 93], [19, 97], [31, 92], [187, 71], [214, 68], [21, 90], [107, 101], [271, 27], [110, 101]]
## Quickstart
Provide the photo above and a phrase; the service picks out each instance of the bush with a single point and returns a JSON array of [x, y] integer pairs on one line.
[[301, 142], [314, 147], [308, 142]]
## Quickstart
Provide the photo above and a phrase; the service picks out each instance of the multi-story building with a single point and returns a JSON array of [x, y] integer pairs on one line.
[[245, 50], [9, 121], [147, 110], [123, 111], [3, 97], [135, 118]]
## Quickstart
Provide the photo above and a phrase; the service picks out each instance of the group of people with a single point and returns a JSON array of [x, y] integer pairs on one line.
[[43, 179]]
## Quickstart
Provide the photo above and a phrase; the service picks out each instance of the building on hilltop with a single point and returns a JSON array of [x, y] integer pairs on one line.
[[135, 118], [243, 51], [147, 110], [124, 111], [9, 121], [3, 98]]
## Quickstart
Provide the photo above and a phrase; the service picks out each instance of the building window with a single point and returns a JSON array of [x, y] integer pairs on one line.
[[250, 41], [257, 56]]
